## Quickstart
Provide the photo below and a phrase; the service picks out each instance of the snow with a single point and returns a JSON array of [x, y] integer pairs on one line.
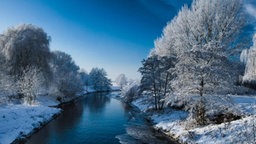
[[239, 131], [179, 125], [20, 120], [246, 104]]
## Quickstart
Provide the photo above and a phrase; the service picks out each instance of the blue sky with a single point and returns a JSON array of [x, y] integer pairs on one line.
[[113, 34]]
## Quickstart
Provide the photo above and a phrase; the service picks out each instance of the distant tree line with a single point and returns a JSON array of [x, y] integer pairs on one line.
[[28, 68]]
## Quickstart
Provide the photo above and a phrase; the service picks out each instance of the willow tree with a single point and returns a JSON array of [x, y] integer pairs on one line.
[[25, 49], [25, 46]]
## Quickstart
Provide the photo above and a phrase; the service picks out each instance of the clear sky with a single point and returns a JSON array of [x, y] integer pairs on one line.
[[113, 34]]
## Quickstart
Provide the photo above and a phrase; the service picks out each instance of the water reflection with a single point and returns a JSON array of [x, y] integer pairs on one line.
[[96, 103]]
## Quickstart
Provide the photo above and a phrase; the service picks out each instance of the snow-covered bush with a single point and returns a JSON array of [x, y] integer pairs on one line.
[[29, 84]]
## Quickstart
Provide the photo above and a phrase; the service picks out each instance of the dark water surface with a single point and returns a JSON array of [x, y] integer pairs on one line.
[[97, 119]]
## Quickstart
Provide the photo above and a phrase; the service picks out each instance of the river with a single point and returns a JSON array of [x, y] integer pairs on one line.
[[98, 119]]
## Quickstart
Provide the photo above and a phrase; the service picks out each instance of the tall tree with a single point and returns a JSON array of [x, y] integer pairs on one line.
[[203, 38]]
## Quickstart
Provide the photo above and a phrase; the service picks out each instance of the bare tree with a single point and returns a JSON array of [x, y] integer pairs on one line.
[[156, 77]]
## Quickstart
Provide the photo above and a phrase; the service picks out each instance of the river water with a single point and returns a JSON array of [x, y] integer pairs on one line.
[[98, 119]]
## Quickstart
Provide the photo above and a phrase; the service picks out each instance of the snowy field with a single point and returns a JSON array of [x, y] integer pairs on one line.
[[20, 120], [177, 124]]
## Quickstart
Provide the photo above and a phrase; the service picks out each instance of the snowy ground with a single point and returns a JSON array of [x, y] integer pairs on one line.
[[178, 125], [20, 120]]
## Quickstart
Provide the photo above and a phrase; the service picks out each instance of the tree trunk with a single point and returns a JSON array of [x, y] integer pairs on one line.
[[201, 90], [155, 93]]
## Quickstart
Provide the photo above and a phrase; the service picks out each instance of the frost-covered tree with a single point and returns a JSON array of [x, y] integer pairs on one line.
[[121, 80], [215, 21], [66, 79], [25, 46], [99, 80], [248, 57], [204, 72], [156, 77], [203, 38], [21, 48], [29, 84]]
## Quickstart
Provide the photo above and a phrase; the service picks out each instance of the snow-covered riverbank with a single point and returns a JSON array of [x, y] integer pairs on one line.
[[17, 121], [176, 124]]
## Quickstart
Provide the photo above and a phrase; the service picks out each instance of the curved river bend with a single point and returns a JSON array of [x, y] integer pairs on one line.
[[97, 119]]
